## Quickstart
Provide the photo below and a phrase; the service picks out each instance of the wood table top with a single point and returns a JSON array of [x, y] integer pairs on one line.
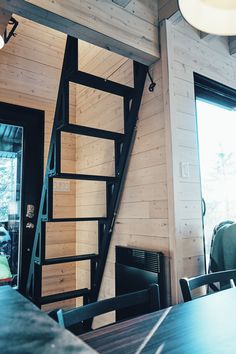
[[205, 325], [24, 329]]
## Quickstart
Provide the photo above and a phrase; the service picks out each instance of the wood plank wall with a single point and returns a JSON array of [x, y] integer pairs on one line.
[[186, 53], [166, 8], [160, 209], [99, 22], [33, 62], [143, 216], [30, 68]]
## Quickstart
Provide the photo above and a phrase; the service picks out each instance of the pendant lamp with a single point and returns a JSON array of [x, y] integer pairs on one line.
[[210, 16]]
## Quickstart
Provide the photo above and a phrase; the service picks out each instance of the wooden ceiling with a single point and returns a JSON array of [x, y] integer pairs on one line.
[[131, 30]]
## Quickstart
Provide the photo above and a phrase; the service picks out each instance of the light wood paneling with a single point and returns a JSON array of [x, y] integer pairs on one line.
[[105, 17], [186, 53], [30, 68], [142, 220], [131, 31]]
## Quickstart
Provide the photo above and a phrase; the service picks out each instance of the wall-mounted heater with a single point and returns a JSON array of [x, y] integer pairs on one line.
[[135, 270]]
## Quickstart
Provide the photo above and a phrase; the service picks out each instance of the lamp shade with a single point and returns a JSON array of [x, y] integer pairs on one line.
[[210, 16]]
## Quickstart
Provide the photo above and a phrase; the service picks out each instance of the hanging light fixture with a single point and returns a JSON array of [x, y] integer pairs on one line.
[[210, 16]]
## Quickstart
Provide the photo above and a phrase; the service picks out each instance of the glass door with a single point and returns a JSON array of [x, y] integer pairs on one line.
[[11, 150], [217, 153], [21, 176]]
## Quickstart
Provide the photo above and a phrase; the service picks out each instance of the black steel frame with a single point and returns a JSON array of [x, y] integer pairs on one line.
[[114, 185], [7, 36], [215, 92], [32, 121]]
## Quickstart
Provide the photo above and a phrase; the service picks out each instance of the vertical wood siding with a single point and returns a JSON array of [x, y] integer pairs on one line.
[[142, 220], [186, 54]]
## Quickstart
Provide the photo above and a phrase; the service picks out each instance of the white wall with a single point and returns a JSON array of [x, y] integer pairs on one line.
[[183, 53]]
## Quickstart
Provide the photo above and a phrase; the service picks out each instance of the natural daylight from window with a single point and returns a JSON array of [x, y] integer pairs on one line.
[[217, 153]]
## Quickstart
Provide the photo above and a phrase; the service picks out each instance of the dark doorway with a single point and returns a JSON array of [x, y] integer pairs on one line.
[[21, 163]]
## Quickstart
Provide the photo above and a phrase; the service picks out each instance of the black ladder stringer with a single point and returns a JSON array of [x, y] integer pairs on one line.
[[114, 185]]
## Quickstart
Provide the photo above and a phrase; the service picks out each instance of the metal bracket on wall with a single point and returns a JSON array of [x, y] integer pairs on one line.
[[7, 36], [152, 84]]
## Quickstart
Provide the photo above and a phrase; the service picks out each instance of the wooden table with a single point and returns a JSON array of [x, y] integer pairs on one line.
[[24, 329], [205, 325]]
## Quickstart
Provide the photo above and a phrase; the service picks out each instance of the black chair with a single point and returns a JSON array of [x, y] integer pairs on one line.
[[76, 320], [226, 279]]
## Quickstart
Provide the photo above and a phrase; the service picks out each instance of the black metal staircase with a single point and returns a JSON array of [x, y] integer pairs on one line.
[[114, 185]]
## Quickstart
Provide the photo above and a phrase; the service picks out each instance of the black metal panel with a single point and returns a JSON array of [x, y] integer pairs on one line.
[[75, 219], [214, 91], [96, 133], [34, 288], [68, 259], [57, 153], [99, 83], [64, 296], [84, 177], [151, 261], [42, 244], [136, 269], [114, 185], [49, 198], [140, 72], [37, 284]]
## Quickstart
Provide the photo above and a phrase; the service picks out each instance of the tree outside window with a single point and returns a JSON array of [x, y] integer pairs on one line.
[[8, 167]]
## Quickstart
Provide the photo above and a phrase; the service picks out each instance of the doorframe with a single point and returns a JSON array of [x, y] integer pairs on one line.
[[214, 91], [32, 120]]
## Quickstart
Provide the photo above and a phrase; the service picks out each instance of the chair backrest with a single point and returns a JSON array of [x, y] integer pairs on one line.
[[72, 318], [224, 278]]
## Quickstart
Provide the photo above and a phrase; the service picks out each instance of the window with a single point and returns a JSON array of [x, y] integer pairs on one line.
[[216, 118], [8, 169]]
